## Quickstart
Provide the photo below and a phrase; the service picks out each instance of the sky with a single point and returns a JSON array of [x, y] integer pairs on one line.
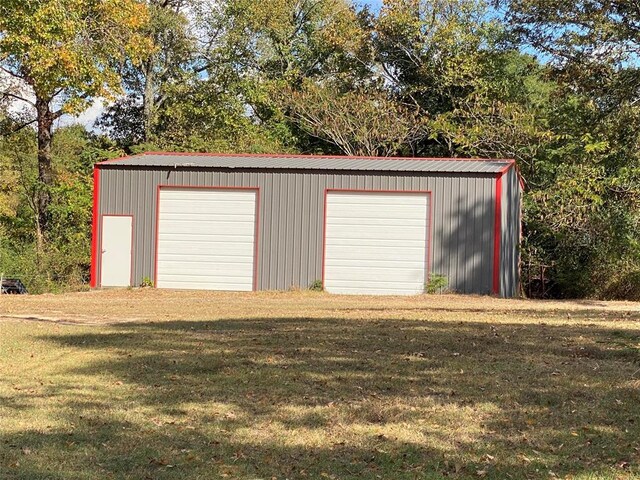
[[375, 4]]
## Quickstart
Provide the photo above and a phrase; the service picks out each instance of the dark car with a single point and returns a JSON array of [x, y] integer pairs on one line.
[[13, 286]]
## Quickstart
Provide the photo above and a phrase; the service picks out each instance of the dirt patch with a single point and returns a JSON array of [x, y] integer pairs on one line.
[[140, 305]]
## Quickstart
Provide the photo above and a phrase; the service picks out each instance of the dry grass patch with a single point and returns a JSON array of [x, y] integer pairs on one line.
[[305, 385]]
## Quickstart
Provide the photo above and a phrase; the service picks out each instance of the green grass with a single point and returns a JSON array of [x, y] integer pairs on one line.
[[339, 390]]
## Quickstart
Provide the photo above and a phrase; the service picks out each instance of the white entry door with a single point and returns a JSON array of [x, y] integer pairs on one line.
[[206, 239], [117, 237], [376, 242]]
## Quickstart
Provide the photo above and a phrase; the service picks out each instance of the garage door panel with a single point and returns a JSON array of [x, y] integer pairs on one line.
[[370, 212], [194, 239], [383, 274], [379, 285], [206, 239], [377, 222], [376, 242], [375, 254], [205, 251], [178, 207], [180, 284], [228, 270], [374, 291], [212, 228], [190, 213], [237, 262], [207, 217], [379, 262], [388, 232], [388, 199]]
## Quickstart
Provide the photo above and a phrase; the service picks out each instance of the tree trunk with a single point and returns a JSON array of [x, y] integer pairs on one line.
[[45, 173], [149, 99]]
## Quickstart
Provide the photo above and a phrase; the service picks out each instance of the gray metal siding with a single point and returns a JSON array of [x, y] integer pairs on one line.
[[291, 217], [510, 241]]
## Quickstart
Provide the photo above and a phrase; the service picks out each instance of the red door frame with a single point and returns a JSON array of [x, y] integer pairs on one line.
[[429, 193], [206, 187]]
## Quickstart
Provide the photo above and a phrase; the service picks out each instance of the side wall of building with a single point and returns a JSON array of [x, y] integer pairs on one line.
[[511, 231], [291, 215]]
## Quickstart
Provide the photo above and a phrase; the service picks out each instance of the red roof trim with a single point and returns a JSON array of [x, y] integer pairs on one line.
[[291, 155]]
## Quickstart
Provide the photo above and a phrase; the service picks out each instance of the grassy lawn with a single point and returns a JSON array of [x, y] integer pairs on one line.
[[147, 384]]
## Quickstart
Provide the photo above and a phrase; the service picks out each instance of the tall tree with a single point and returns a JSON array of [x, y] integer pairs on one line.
[[357, 122], [276, 45], [177, 57], [62, 54], [593, 44]]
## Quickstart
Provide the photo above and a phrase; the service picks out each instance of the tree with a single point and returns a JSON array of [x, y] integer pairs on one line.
[[64, 259], [60, 55], [506, 114], [175, 61], [274, 46], [593, 45], [358, 122]]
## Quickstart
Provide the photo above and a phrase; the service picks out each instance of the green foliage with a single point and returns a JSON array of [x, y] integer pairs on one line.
[[316, 286], [146, 283], [64, 260], [358, 122], [584, 229], [437, 283], [71, 46]]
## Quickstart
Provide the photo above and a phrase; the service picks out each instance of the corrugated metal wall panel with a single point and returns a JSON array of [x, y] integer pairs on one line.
[[291, 218], [511, 227]]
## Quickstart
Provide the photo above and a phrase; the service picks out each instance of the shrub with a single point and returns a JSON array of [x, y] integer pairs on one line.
[[437, 283]]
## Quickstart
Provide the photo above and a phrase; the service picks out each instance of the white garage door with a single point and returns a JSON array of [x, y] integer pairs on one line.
[[376, 243], [206, 239]]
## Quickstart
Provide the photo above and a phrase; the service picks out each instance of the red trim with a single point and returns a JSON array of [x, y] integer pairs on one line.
[[429, 239], [155, 254], [427, 273], [132, 242], [292, 155], [255, 242], [507, 167], [514, 165], [207, 187], [324, 234], [497, 235], [94, 228]]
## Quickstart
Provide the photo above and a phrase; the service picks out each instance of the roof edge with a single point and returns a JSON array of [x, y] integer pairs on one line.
[[292, 155]]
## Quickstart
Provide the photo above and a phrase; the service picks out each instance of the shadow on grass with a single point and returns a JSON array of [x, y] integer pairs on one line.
[[528, 313], [328, 398]]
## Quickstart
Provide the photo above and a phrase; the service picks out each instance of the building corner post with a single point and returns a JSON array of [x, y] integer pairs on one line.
[[497, 236], [94, 228]]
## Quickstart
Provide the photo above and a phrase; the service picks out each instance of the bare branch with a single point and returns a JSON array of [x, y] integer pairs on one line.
[[18, 97]]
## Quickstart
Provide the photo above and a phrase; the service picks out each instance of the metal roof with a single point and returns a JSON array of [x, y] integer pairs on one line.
[[310, 162]]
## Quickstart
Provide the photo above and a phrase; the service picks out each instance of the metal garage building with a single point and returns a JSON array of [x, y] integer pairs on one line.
[[266, 222]]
